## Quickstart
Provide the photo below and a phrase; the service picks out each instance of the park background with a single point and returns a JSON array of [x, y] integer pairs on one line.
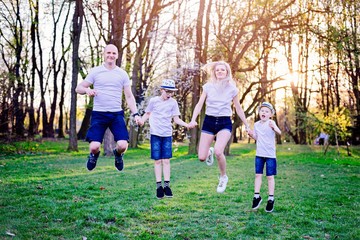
[[302, 56]]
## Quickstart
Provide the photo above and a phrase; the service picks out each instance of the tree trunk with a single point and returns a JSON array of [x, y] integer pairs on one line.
[[108, 143], [195, 132], [85, 124], [17, 97], [77, 25]]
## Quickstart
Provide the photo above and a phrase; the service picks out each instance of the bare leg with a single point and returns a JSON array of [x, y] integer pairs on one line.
[[204, 145], [222, 139], [271, 184], [121, 146], [166, 169], [258, 181], [157, 169], [94, 147]]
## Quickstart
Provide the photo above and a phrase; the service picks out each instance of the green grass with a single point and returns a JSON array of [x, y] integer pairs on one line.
[[47, 193]]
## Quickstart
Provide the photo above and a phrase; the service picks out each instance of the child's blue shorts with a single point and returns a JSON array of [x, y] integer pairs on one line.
[[161, 147], [100, 121], [270, 165]]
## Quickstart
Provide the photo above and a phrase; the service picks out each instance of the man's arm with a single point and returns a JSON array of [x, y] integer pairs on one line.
[[130, 100], [83, 88]]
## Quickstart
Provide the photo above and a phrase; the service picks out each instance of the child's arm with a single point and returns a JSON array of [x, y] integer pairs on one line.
[[180, 122], [274, 127]]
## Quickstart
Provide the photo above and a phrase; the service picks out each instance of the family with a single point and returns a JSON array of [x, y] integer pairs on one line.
[[107, 83]]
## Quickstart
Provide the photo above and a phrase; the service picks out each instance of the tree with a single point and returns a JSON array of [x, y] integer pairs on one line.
[[199, 60], [13, 40], [76, 34], [58, 66]]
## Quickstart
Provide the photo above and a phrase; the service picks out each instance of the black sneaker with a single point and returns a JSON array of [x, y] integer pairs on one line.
[[168, 192], [92, 159], [160, 192], [256, 202], [270, 206], [119, 163]]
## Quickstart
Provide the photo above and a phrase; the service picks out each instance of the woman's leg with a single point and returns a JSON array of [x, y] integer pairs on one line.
[[204, 145], [222, 139]]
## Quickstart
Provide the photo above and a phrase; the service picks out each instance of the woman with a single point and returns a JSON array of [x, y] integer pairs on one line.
[[219, 93]]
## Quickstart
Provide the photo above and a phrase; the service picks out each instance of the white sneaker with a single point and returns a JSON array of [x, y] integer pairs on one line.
[[222, 184], [210, 159]]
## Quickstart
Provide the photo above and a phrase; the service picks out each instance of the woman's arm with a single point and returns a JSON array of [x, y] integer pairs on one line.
[[197, 110], [240, 112]]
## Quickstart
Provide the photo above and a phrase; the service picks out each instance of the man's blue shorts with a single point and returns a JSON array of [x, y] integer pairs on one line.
[[161, 147], [212, 125], [100, 121], [270, 165]]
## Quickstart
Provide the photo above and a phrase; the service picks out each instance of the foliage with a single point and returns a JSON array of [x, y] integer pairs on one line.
[[336, 124], [53, 196]]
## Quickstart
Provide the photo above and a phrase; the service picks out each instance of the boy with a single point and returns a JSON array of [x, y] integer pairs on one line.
[[264, 134], [161, 110]]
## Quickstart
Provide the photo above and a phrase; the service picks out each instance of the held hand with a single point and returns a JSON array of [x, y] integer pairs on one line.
[[192, 124], [140, 123], [250, 132], [138, 120]]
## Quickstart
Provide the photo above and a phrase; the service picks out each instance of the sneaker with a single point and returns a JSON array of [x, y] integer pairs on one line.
[[168, 192], [160, 192], [270, 206], [92, 159], [210, 159], [222, 184], [119, 163], [256, 203]]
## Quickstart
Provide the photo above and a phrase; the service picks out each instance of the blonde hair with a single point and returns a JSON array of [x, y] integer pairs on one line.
[[209, 68]]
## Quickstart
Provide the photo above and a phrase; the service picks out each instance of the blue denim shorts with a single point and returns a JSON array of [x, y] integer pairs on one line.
[[100, 121], [270, 165], [213, 125], [161, 147]]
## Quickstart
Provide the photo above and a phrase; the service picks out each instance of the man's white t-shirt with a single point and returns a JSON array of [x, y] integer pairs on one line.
[[109, 85]]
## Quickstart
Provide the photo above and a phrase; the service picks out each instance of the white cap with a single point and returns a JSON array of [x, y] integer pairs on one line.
[[268, 105], [168, 84]]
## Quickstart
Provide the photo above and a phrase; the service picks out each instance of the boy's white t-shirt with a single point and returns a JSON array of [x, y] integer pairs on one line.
[[219, 99], [162, 112], [109, 85], [265, 141]]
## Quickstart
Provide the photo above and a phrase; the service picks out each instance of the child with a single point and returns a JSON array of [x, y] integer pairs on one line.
[[264, 134], [161, 110]]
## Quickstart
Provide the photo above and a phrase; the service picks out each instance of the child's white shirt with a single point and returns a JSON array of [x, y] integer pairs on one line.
[[265, 139], [162, 111]]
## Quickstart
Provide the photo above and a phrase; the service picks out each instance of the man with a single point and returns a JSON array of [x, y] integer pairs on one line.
[[109, 81]]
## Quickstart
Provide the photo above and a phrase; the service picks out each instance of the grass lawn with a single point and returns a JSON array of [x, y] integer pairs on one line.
[[51, 195]]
